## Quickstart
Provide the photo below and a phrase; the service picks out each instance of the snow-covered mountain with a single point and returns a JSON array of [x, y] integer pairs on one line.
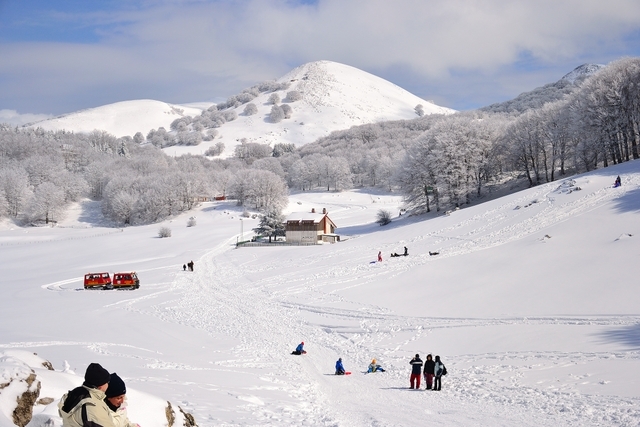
[[582, 72], [551, 92], [333, 97], [122, 118]]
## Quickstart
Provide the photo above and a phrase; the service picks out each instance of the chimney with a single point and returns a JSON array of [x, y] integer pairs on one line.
[[324, 211], [313, 210]]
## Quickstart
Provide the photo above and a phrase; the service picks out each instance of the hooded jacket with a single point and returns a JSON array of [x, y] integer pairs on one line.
[[119, 415], [96, 411]]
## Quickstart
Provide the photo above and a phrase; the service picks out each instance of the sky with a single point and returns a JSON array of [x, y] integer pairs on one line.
[[61, 57]]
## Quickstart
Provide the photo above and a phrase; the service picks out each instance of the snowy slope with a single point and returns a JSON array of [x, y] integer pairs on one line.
[[334, 97], [532, 302], [123, 118]]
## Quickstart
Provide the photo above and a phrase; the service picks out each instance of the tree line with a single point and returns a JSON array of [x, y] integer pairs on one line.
[[435, 161]]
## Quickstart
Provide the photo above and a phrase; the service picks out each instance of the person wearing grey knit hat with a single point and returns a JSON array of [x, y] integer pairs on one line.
[[117, 402]]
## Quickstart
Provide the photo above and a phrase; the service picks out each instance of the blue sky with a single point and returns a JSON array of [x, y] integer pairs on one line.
[[62, 56]]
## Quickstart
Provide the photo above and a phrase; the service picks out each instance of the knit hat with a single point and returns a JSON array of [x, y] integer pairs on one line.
[[95, 376], [116, 386], [373, 361]]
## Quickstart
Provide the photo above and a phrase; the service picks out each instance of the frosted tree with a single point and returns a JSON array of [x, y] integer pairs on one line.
[[15, 183], [287, 110], [270, 164], [250, 109], [274, 99], [271, 225], [419, 109], [293, 96], [47, 203], [276, 115]]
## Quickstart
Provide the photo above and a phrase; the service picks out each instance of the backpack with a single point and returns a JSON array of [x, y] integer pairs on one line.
[[444, 370]]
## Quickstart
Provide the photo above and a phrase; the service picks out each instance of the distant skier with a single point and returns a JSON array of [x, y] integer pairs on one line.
[[416, 371], [339, 368], [380, 256], [299, 349], [429, 365]]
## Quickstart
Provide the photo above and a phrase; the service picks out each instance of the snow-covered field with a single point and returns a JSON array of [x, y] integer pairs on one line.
[[532, 303]]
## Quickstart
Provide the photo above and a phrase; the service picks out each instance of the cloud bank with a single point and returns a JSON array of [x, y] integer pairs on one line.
[[460, 53]]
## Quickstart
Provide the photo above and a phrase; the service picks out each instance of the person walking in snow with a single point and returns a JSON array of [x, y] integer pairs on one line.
[[406, 251], [429, 365], [416, 371], [438, 371], [184, 267], [116, 400], [299, 349], [190, 265], [380, 256], [85, 405], [339, 368]]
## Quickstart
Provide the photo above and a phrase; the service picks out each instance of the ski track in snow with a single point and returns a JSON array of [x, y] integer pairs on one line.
[[256, 305]]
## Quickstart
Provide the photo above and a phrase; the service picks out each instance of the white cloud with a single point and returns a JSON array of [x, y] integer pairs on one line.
[[14, 118], [190, 51]]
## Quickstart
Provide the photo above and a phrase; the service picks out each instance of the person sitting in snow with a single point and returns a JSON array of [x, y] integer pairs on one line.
[[339, 368], [374, 367], [299, 349], [116, 400], [618, 182]]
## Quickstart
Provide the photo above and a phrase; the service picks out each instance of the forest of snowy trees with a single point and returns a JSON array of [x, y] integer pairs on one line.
[[435, 161]]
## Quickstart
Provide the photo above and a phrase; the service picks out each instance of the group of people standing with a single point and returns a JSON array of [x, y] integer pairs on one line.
[[188, 265], [99, 402], [433, 372]]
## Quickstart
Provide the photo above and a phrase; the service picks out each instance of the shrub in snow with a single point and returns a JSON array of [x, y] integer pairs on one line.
[[230, 115], [294, 96], [383, 217], [191, 222], [250, 109], [287, 110], [164, 232], [274, 99], [215, 150], [419, 110], [276, 115]]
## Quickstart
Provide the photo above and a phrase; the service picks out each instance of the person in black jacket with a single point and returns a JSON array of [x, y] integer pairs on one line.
[[416, 370], [429, 365]]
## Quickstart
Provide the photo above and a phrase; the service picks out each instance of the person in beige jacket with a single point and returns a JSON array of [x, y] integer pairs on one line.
[[84, 406], [116, 400]]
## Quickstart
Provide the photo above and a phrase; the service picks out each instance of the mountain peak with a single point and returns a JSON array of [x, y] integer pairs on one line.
[[582, 72]]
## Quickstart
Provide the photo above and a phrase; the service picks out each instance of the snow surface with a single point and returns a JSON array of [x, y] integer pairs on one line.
[[532, 303], [334, 97]]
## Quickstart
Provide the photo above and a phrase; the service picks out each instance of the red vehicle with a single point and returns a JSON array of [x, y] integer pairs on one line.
[[97, 281], [126, 280]]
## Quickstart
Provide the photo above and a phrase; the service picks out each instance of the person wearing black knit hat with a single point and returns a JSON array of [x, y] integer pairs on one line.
[[85, 405], [117, 402]]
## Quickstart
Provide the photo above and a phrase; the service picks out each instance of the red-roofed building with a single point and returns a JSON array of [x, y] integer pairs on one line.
[[310, 228]]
